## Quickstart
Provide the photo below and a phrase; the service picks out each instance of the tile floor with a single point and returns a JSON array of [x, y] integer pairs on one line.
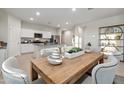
[[25, 59]]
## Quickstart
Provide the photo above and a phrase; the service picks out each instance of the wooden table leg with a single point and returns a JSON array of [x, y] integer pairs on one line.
[[34, 74]]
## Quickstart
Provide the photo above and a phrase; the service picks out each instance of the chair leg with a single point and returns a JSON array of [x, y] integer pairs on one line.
[[88, 73]]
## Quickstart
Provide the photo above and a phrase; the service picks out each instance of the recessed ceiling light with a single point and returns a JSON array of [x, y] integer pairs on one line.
[[37, 13], [31, 18], [73, 9], [66, 23], [58, 25]]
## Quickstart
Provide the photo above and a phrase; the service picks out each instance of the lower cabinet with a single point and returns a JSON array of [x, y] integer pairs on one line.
[[27, 48]]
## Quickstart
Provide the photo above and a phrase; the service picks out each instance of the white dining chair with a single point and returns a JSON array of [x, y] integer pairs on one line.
[[48, 51], [13, 75], [103, 73]]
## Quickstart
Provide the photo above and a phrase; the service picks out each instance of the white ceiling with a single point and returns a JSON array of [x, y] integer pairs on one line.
[[54, 16]]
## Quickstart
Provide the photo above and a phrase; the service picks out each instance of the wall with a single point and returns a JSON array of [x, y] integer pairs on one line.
[[14, 29], [59, 32], [91, 32], [10, 28], [3, 26], [26, 25], [67, 37]]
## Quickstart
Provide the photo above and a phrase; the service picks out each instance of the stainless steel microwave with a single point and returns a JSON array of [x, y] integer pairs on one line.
[[37, 35]]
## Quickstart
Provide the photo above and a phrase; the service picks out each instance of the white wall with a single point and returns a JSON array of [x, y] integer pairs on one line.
[[91, 32], [10, 27], [67, 37], [26, 25], [3, 26], [14, 29]]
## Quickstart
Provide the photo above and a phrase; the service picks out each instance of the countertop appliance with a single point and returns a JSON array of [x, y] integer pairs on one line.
[[37, 35]]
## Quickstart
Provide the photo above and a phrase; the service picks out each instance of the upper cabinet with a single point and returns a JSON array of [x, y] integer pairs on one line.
[[27, 33], [30, 33], [46, 34]]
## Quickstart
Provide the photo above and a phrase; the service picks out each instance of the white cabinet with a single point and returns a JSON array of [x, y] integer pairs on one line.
[[27, 33], [46, 34], [2, 56], [30, 33], [27, 48]]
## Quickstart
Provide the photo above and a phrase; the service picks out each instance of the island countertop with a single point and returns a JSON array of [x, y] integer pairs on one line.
[[48, 45], [38, 47]]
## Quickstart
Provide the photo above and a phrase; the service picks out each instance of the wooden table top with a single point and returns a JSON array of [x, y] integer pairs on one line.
[[69, 67]]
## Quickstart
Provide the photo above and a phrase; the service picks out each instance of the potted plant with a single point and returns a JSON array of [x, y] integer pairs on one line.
[[74, 52], [89, 44], [88, 48]]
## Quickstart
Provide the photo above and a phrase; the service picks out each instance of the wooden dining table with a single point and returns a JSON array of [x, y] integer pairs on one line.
[[69, 71]]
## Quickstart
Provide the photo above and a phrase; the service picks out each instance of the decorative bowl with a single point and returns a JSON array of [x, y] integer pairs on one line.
[[54, 61], [73, 55], [87, 51], [55, 57]]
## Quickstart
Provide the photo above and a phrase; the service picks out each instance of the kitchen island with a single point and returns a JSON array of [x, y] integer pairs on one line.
[[48, 48]]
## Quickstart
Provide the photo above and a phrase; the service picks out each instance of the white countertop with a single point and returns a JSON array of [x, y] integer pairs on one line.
[[49, 45]]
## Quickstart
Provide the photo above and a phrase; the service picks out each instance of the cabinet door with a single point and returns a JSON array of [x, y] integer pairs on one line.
[[23, 48], [46, 34], [27, 48], [27, 33], [30, 48]]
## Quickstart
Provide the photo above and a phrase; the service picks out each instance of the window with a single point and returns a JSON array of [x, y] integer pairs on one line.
[[77, 41], [77, 37]]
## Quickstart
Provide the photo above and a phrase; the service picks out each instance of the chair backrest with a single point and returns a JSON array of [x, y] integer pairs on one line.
[[48, 51], [104, 73], [12, 74]]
